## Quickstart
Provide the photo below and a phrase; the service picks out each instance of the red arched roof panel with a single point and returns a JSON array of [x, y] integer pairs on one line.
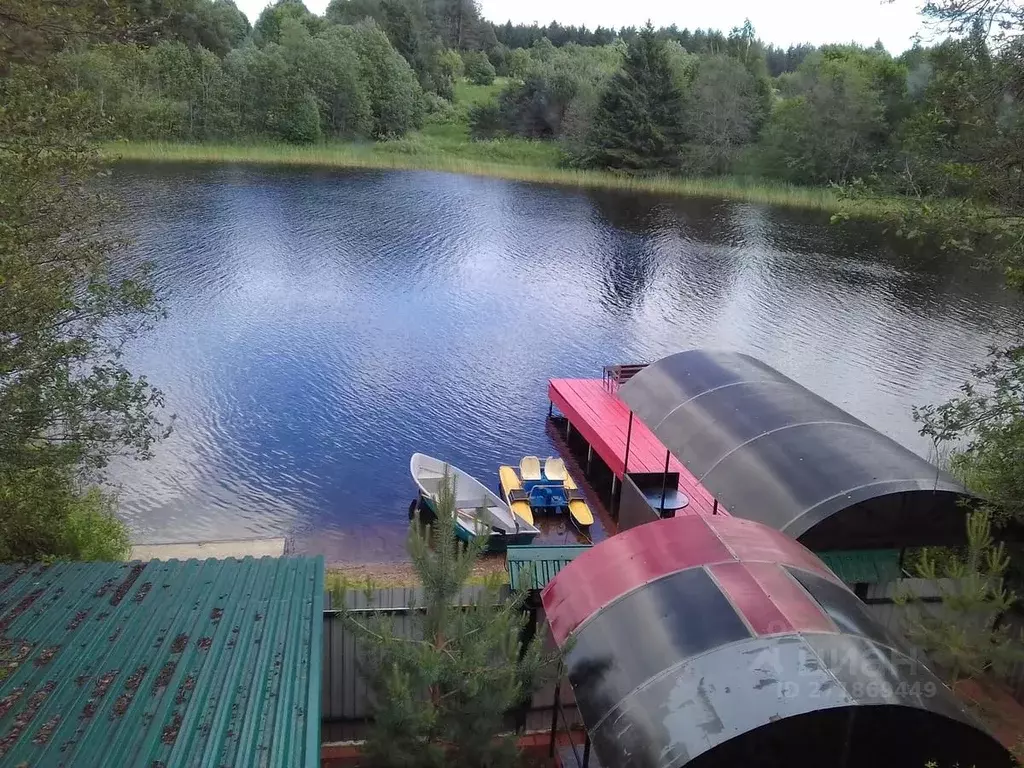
[[648, 552]]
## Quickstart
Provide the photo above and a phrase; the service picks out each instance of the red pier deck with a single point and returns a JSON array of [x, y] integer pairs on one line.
[[603, 420]]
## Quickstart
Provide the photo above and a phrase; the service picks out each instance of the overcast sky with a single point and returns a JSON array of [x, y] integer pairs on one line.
[[782, 22]]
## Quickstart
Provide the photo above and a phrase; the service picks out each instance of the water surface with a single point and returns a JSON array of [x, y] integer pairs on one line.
[[325, 325]]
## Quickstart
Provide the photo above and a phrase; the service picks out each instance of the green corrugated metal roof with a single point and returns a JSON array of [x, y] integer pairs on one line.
[[539, 563], [174, 663], [867, 566]]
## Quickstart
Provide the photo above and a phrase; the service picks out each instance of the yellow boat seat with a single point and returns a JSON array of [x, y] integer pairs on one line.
[[510, 482], [529, 468], [554, 469]]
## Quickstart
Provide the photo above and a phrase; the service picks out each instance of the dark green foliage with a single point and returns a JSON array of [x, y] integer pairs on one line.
[[830, 127], [780, 61], [299, 123], [217, 26], [330, 68], [517, 63], [409, 30], [268, 26], [989, 412], [478, 67], [536, 107], [67, 403], [638, 123], [498, 56], [458, 24], [958, 177], [441, 693], [486, 121], [396, 100], [355, 81], [552, 88]]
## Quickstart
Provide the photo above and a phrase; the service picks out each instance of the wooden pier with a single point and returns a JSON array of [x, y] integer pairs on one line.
[[596, 413]]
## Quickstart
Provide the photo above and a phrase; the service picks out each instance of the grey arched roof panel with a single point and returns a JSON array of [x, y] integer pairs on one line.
[[787, 700], [773, 451]]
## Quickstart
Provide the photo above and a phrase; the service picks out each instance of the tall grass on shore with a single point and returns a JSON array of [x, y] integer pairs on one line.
[[513, 159]]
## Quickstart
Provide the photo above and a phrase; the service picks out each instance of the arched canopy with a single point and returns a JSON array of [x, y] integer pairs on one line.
[[773, 451], [712, 641]]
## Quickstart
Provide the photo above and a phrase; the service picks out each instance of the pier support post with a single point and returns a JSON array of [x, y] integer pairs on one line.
[[568, 430], [551, 409], [590, 455], [629, 436]]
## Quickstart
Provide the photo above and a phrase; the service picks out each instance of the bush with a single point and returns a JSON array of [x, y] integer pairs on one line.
[[478, 67], [498, 56], [44, 515], [485, 121], [300, 124], [438, 109], [517, 63], [535, 108], [93, 532]]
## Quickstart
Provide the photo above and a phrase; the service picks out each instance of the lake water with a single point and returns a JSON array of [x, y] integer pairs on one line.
[[323, 326]]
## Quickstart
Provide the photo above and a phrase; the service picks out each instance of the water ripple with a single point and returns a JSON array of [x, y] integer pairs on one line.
[[323, 326]]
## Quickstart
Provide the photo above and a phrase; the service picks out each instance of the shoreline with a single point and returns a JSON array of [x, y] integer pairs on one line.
[[402, 155]]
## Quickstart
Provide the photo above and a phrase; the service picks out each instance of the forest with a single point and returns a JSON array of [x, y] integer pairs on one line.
[[641, 100]]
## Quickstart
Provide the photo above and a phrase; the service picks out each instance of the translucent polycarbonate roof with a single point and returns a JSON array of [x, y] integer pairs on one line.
[[773, 451]]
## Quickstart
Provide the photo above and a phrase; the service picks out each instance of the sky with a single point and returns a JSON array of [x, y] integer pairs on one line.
[[782, 22]]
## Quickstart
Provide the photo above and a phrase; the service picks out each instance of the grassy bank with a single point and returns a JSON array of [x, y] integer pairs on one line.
[[516, 160], [445, 145]]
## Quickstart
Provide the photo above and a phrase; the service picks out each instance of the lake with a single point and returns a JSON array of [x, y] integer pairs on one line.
[[322, 326]]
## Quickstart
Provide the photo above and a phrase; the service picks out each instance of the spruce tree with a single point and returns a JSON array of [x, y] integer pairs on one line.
[[638, 122], [964, 636], [440, 694]]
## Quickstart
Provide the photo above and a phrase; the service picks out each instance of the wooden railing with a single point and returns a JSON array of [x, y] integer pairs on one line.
[[616, 375]]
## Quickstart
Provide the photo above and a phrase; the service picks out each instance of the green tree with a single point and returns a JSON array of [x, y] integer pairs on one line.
[[517, 63], [963, 154], [831, 128], [231, 25], [478, 67], [986, 424], [395, 96], [268, 26], [963, 636], [67, 403], [441, 693], [723, 111], [458, 24], [300, 122], [498, 56], [638, 124], [329, 67], [445, 69], [408, 29]]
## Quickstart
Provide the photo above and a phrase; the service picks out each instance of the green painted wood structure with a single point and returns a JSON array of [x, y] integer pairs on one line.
[[175, 663], [534, 565], [864, 566]]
